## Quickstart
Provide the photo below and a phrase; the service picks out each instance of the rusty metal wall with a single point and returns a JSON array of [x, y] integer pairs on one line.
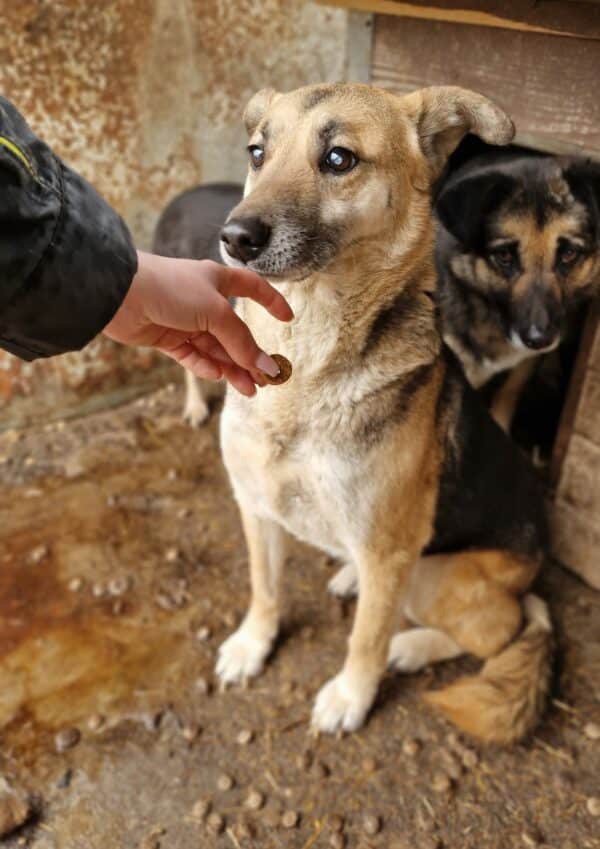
[[144, 98]]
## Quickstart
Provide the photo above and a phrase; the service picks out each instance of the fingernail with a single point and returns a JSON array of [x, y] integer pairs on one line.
[[267, 364]]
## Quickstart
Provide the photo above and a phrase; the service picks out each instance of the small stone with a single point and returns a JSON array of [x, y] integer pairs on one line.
[[337, 841], [184, 513], [37, 554], [15, 810], [411, 747], [530, 839], [320, 770], [369, 764], [245, 736], [75, 585], [451, 765], [203, 634], [118, 607], [216, 823], [424, 822], [95, 722], [28, 461], [430, 841], [255, 800], [304, 761], [225, 782], [171, 555], [593, 806], [287, 688], [335, 823], [190, 731], [119, 586], [441, 783], [65, 780], [201, 809], [165, 601], [66, 739], [453, 740], [203, 686], [99, 590], [470, 759], [290, 819], [230, 619], [172, 475], [592, 731], [371, 824], [244, 830]]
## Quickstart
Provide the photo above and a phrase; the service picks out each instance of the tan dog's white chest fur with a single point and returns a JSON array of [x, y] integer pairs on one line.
[[283, 449]]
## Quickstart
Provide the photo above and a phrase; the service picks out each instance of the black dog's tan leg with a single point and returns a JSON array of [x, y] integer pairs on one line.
[[243, 654], [343, 703], [504, 403]]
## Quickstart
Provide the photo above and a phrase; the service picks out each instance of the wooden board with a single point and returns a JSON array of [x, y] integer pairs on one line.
[[549, 85], [575, 19], [575, 513]]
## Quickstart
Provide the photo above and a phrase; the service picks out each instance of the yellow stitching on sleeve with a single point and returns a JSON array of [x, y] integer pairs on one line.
[[11, 146]]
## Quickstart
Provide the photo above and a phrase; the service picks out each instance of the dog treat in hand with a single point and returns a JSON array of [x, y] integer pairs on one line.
[[285, 371]]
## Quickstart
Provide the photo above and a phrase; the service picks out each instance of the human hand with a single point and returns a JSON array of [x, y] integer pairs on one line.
[[180, 307]]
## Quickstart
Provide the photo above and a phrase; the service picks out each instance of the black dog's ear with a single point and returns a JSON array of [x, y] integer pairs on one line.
[[583, 177], [464, 204]]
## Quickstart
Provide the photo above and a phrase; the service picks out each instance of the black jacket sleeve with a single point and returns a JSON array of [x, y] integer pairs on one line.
[[66, 258]]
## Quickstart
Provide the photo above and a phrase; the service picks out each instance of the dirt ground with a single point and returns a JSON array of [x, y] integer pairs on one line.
[[122, 568]]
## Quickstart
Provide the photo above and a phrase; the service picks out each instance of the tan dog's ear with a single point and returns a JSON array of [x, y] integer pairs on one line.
[[443, 115], [256, 108]]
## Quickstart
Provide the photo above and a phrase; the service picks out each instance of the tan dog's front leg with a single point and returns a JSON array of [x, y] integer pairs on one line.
[[244, 653], [343, 703]]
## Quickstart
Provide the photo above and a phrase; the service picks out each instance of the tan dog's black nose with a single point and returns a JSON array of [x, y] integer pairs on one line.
[[245, 238]]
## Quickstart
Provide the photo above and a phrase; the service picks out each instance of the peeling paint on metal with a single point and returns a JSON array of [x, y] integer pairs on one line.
[[144, 98]]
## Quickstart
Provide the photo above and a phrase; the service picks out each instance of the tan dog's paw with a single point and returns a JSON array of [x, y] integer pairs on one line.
[[341, 706], [344, 583], [242, 656]]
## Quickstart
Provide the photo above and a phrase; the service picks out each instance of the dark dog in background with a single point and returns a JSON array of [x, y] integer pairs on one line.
[[518, 250], [189, 227]]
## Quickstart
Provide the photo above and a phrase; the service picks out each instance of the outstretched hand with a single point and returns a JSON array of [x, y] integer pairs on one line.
[[180, 307]]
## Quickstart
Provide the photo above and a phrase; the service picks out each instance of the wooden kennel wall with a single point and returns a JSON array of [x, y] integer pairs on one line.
[[541, 62]]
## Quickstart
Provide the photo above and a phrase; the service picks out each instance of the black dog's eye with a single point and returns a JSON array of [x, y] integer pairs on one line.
[[257, 155], [503, 258], [339, 160], [568, 255]]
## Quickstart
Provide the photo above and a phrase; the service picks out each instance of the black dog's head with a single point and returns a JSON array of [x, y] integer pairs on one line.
[[526, 236]]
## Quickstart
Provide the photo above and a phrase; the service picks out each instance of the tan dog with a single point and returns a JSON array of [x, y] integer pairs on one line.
[[376, 450]]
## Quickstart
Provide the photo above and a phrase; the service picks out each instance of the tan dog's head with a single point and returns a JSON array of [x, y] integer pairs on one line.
[[334, 166]]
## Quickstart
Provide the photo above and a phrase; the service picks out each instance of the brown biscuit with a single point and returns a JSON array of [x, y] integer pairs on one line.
[[285, 371]]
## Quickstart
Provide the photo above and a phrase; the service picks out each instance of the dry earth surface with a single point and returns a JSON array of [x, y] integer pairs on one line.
[[122, 568]]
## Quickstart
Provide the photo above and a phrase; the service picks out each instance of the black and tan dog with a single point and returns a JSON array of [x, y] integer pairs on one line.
[[518, 250], [377, 450]]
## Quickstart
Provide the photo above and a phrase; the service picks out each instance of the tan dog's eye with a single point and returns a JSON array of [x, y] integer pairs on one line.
[[339, 160], [257, 155], [568, 254]]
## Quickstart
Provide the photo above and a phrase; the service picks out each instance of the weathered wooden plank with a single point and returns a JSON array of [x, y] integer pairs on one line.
[[588, 357], [575, 19], [587, 423], [579, 483], [576, 541], [549, 86]]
